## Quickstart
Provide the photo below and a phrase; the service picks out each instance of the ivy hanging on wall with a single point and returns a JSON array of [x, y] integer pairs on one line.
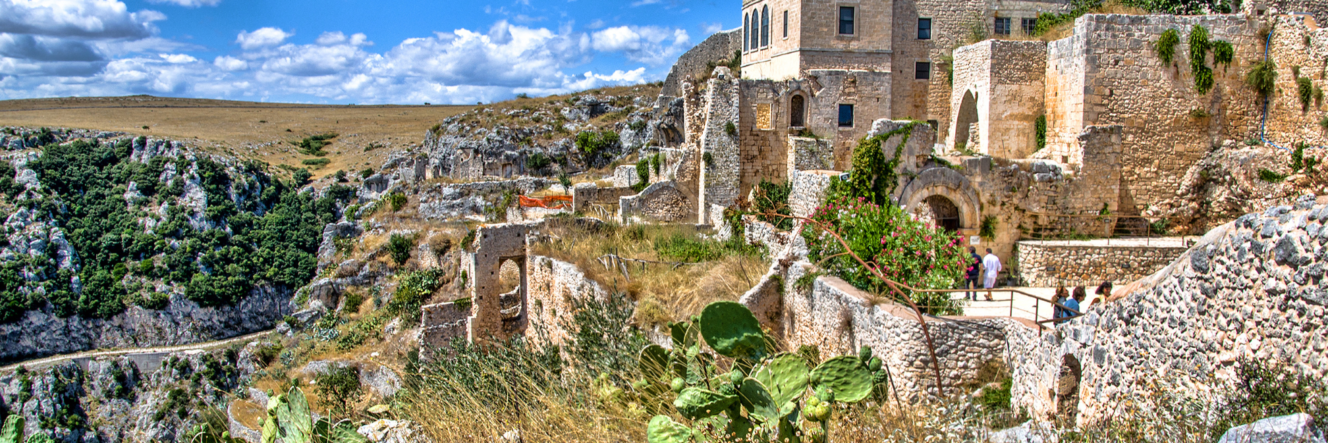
[[1200, 45]]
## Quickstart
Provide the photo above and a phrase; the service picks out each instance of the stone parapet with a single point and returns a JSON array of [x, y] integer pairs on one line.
[[1046, 264]]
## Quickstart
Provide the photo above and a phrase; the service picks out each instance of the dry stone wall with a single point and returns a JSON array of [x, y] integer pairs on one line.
[[809, 154], [1251, 289], [698, 61], [1046, 264], [660, 202], [554, 287]]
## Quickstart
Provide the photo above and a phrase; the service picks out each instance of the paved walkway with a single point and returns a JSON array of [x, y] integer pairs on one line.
[[153, 354], [1024, 307]]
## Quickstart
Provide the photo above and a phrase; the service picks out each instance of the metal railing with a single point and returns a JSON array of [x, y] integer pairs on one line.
[[1034, 314]]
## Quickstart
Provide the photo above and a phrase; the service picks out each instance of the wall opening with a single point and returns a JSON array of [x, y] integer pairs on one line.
[[968, 114], [1067, 390], [945, 212], [797, 106]]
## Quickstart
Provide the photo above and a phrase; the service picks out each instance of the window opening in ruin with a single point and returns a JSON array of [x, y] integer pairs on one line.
[[944, 212], [1002, 25], [923, 71], [935, 125], [796, 106], [509, 276], [845, 116], [968, 114], [1067, 390], [746, 28], [1028, 24], [924, 29], [785, 24], [845, 20], [765, 26]]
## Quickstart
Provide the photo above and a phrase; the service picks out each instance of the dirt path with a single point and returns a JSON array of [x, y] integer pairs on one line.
[[55, 359]]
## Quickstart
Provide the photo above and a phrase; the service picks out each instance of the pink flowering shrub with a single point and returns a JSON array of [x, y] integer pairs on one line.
[[904, 250]]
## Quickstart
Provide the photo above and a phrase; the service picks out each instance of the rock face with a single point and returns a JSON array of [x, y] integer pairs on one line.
[[129, 398], [183, 321], [1295, 428]]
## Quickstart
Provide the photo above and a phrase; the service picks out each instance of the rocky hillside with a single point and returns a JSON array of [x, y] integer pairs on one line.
[[117, 241]]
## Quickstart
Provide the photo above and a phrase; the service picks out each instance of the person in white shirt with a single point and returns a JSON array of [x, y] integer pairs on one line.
[[992, 265]]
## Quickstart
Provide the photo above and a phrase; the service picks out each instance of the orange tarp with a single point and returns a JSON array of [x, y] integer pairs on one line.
[[546, 202]]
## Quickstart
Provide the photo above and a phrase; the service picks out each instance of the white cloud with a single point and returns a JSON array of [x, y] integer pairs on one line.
[[189, 3], [336, 38], [177, 59], [261, 37], [646, 44], [230, 63], [711, 28], [96, 19], [46, 49]]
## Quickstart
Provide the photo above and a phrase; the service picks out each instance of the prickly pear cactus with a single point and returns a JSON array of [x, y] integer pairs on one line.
[[663, 429], [846, 377], [694, 403], [12, 432], [654, 362], [785, 377], [757, 400], [731, 330], [39, 437]]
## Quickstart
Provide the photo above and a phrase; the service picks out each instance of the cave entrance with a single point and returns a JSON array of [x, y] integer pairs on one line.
[[945, 212]]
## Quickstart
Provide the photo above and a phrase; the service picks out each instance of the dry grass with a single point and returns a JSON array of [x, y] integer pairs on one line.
[[1066, 29], [666, 291], [242, 129]]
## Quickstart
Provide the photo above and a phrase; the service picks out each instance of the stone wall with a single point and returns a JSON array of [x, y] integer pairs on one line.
[[808, 191], [721, 174], [809, 154], [660, 202], [625, 176], [585, 195], [496, 244], [696, 62], [814, 41], [440, 325], [1052, 263], [554, 285], [1250, 289], [1315, 8], [1294, 44], [763, 125]]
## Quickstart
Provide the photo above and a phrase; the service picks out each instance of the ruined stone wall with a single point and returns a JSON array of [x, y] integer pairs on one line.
[[1315, 8], [554, 286], [1251, 289], [585, 195], [806, 154], [970, 97], [660, 202], [440, 325], [721, 174], [1289, 121], [1126, 84], [696, 62], [808, 191], [497, 243], [1046, 264], [1063, 99]]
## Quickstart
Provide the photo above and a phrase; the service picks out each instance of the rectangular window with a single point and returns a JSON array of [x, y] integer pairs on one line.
[[924, 29], [785, 24], [846, 20], [923, 71], [1002, 25], [846, 116], [1028, 24]]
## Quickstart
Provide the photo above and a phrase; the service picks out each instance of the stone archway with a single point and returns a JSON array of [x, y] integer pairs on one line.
[[968, 114], [947, 190], [1067, 390]]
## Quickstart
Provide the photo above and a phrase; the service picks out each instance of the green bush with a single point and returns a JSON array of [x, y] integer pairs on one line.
[[301, 177], [1198, 47], [339, 387], [987, 231], [316, 162], [1161, 226], [412, 290], [642, 175], [537, 162], [730, 129], [996, 399], [1166, 45], [708, 159], [1300, 162], [1040, 129], [773, 198], [1305, 89], [353, 301], [1270, 176], [313, 145], [396, 201], [366, 173], [596, 147], [1262, 77], [399, 247]]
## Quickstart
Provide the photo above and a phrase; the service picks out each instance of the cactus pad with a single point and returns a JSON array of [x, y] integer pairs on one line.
[[785, 377], [654, 362], [731, 329], [846, 377], [758, 400], [694, 403], [12, 432], [684, 334], [663, 429]]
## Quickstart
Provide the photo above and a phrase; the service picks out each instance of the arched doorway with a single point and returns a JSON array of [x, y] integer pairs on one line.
[[1067, 390], [944, 212], [797, 105], [968, 114]]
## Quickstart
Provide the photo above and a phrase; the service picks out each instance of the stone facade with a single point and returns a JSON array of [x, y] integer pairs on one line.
[[1250, 289], [1002, 81], [720, 152], [1045, 264]]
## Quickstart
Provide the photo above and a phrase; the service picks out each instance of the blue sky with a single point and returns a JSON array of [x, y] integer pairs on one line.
[[344, 51]]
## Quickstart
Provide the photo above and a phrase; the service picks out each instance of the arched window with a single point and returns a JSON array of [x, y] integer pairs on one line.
[[746, 29], [765, 26], [756, 31], [796, 109]]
